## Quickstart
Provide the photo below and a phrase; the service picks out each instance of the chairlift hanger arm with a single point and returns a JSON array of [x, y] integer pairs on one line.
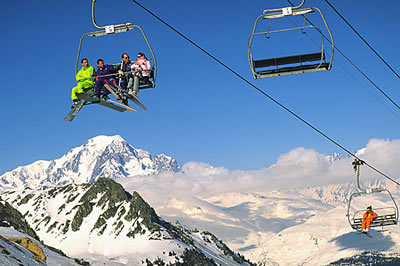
[[280, 9], [104, 27]]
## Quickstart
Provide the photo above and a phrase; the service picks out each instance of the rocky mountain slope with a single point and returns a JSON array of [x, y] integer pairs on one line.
[[102, 220]]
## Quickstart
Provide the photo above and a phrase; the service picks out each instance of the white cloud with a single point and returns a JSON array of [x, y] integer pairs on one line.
[[299, 167]]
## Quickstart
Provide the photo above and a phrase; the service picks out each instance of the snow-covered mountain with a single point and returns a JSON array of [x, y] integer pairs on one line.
[[288, 227], [337, 194], [19, 244], [107, 156], [101, 222]]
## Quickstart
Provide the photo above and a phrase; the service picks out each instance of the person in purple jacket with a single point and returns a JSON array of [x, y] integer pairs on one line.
[[101, 79]]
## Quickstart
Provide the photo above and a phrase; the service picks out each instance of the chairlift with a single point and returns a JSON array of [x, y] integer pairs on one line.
[[387, 215], [288, 64], [120, 28], [145, 82]]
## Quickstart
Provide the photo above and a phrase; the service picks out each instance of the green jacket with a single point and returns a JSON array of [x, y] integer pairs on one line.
[[85, 73]]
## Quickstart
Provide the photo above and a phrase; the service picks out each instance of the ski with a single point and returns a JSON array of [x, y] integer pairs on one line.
[[363, 233], [132, 98], [136, 101], [366, 234], [103, 103], [130, 109], [75, 111], [110, 89]]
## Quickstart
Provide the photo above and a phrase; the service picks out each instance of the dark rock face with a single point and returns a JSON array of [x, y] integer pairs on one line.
[[11, 217], [370, 258], [104, 208]]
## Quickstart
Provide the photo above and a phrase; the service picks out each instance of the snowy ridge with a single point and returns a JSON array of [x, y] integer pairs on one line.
[[106, 156], [102, 221], [337, 194], [287, 227]]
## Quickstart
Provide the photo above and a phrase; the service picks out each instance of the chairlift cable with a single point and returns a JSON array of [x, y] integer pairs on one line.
[[359, 35], [262, 92], [348, 73], [354, 65]]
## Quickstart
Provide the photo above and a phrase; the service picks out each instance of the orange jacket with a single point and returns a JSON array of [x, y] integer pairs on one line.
[[370, 214]]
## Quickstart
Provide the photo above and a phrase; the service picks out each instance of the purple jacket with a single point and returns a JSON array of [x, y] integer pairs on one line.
[[106, 70]]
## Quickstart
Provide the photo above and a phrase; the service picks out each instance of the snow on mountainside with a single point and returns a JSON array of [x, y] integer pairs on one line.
[[108, 156], [337, 194], [101, 222], [13, 253], [242, 219], [286, 227]]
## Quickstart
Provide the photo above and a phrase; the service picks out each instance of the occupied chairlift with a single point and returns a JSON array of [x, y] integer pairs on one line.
[[120, 28], [288, 65], [386, 216], [145, 83]]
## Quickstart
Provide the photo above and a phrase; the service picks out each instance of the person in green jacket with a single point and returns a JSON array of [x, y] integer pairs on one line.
[[84, 79]]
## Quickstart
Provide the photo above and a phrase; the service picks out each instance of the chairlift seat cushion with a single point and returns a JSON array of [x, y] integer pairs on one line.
[[296, 59], [293, 70]]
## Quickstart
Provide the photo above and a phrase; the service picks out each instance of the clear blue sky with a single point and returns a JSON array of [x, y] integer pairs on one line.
[[199, 111]]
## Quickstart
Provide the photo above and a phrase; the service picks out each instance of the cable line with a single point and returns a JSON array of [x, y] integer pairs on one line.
[[348, 73], [359, 35], [358, 69], [262, 92]]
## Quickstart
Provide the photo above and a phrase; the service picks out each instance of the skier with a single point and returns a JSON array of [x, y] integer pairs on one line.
[[125, 76], [124, 71], [102, 71], [141, 69], [368, 217], [84, 79]]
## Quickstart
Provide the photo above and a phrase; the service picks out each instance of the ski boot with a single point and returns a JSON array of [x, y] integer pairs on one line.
[[74, 103]]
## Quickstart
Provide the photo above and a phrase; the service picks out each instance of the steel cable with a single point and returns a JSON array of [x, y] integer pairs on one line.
[[264, 93]]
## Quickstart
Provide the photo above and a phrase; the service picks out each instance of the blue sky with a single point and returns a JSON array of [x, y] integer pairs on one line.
[[199, 111]]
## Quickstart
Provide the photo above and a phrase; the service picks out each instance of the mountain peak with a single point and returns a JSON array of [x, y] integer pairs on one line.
[[101, 156], [103, 139]]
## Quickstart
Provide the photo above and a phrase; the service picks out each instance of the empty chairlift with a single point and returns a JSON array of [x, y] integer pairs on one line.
[[288, 64]]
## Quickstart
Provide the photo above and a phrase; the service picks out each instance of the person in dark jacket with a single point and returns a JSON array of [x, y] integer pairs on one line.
[[103, 76], [125, 72]]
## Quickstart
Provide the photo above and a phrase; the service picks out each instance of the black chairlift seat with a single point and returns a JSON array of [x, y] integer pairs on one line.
[[147, 82], [297, 65], [382, 220]]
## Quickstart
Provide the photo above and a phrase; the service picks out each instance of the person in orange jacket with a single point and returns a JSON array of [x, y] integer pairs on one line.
[[368, 217]]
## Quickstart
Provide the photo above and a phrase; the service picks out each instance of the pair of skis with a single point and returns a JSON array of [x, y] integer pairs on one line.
[[118, 97], [85, 100]]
